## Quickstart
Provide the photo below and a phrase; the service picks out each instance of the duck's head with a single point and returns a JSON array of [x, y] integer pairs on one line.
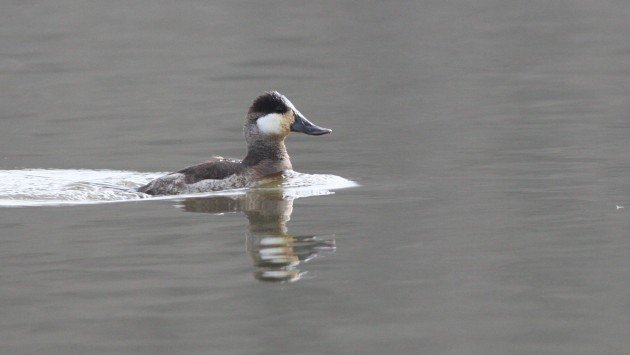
[[273, 116]]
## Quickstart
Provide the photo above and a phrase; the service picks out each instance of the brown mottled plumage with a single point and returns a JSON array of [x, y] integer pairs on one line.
[[215, 168], [269, 120]]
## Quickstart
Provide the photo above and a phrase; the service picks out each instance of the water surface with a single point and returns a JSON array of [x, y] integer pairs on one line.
[[489, 139]]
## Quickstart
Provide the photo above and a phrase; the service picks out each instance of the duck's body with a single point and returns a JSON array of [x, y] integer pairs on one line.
[[269, 120]]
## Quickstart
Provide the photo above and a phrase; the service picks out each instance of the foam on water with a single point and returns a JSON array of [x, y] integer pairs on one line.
[[41, 187]]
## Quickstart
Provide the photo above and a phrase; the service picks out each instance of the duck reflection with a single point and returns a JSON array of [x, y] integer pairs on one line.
[[276, 254]]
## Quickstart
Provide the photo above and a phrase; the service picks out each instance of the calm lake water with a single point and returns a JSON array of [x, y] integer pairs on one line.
[[489, 139]]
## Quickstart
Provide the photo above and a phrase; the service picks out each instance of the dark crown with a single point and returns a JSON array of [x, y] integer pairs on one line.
[[269, 102]]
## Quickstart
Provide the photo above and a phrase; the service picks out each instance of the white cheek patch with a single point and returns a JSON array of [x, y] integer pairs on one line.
[[270, 124]]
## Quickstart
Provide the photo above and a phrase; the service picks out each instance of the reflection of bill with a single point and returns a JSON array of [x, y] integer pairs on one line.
[[276, 254]]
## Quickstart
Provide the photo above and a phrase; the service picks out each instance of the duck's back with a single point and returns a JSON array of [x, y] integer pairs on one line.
[[217, 168]]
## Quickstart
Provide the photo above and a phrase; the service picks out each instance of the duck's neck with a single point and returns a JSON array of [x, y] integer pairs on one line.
[[267, 156]]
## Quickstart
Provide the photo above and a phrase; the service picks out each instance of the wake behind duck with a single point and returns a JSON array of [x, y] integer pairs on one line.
[[57, 187]]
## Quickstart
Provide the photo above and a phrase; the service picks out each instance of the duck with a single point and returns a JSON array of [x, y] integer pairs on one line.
[[269, 120]]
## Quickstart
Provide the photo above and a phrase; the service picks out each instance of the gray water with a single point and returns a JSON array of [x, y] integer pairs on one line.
[[489, 139]]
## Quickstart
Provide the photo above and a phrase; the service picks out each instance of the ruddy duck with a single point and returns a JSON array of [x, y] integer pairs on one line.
[[268, 122]]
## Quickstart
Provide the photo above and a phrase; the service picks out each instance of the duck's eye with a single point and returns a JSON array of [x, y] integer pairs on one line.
[[279, 109]]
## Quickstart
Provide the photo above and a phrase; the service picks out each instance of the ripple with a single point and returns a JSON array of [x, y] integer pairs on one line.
[[50, 187]]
